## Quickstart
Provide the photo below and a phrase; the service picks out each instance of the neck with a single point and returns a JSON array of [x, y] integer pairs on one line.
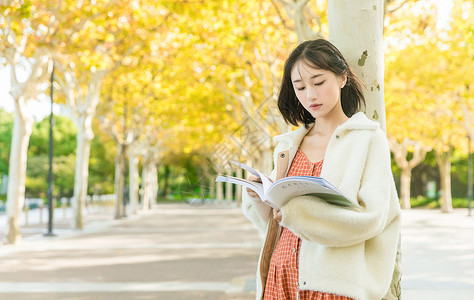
[[327, 125]]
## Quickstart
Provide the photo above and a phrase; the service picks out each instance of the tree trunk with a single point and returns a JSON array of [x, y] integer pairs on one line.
[[133, 181], [400, 154], [153, 184], [356, 29], [405, 184], [81, 175], [229, 189], [157, 182], [146, 186], [212, 190], [21, 92], [83, 110], [22, 128], [119, 180], [296, 11], [220, 191], [444, 164], [166, 176], [258, 160], [268, 160], [238, 191]]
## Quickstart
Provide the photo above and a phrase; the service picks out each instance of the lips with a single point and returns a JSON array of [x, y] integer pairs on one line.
[[315, 106]]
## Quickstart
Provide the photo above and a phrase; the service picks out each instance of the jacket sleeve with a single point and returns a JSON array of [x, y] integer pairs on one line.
[[313, 219], [255, 209]]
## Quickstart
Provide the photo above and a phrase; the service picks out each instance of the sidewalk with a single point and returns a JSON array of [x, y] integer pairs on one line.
[[180, 251], [175, 251], [37, 220], [437, 255]]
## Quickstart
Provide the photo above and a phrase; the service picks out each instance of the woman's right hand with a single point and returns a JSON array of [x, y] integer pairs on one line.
[[250, 191]]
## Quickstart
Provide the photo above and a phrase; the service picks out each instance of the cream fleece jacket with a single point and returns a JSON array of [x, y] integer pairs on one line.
[[349, 252]]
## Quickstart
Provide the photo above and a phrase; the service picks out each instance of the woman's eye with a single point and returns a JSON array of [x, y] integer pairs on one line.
[[320, 83], [300, 89]]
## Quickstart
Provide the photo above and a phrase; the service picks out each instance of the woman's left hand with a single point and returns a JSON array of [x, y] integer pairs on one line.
[[277, 215]]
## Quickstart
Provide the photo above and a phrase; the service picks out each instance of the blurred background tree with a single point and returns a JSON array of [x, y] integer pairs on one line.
[[429, 66], [164, 93]]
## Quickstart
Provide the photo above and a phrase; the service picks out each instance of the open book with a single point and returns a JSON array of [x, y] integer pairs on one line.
[[276, 194]]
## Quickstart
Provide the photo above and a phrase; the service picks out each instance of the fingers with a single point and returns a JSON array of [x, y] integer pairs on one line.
[[255, 178], [277, 215], [250, 191]]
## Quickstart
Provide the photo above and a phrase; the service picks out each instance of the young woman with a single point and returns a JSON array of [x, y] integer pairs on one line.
[[315, 250]]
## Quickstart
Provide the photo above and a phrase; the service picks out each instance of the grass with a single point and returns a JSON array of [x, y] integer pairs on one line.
[[425, 202]]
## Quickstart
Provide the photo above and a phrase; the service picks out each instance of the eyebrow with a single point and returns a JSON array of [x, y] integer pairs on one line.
[[314, 76]]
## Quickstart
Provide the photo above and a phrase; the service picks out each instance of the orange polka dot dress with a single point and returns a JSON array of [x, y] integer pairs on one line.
[[282, 280]]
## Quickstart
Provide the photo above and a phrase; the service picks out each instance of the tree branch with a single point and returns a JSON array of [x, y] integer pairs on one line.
[[68, 88], [394, 9], [280, 16]]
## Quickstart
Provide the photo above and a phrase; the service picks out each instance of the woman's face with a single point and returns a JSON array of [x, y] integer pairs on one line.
[[318, 90]]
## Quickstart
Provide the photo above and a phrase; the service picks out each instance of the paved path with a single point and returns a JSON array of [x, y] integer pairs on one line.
[[438, 255], [178, 251], [173, 252]]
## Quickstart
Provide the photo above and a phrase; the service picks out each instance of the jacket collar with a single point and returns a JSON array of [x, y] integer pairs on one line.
[[358, 121]]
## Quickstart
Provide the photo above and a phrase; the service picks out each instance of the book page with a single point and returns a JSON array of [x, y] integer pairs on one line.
[[290, 187], [246, 168], [266, 181], [318, 180], [255, 186]]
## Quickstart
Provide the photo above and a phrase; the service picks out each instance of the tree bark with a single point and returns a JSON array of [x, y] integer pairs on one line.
[[82, 105], [133, 180], [22, 127], [296, 11], [220, 191], [400, 153], [268, 159], [166, 175], [356, 29], [81, 174], [238, 191], [444, 163], [119, 180], [229, 189], [212, 189], [21, 92], [153, 184], [146, 185], [149, 179], [405, 183]]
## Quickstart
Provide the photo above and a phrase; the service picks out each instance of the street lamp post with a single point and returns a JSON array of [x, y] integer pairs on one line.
[[50, 174]]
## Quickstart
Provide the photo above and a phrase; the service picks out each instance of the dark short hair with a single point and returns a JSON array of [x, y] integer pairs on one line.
[[319, 54]]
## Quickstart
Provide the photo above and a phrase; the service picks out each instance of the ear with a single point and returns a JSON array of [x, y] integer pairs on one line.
[[343, 80]]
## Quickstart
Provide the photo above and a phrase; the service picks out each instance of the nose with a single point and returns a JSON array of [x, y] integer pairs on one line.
[[311, 93]]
